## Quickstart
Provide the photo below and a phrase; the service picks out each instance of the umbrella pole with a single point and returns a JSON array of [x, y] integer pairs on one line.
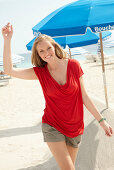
[[103, 69], [70, 53]]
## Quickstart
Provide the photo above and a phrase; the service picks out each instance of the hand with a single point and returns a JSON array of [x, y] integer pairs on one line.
[[107, 128], [7, 31]]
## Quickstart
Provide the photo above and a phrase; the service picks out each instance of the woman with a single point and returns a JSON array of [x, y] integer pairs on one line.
[[63, 87]]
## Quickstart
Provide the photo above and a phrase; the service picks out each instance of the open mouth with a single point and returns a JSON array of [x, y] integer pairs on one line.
[[48, 56]]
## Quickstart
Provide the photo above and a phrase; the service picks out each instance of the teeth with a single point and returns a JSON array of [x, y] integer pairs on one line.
[[48, 57]]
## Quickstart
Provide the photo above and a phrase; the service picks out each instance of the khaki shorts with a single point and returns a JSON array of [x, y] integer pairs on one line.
[[51, 134]]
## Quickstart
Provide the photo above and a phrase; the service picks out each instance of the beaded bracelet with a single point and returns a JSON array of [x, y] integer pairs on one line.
[[102, 119]]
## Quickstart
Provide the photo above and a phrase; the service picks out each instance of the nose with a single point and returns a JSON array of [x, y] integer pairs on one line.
[[46, 53]]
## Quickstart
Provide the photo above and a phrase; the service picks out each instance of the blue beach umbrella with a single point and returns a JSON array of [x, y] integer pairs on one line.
[[76, 41], [74, 18], [59, 40]]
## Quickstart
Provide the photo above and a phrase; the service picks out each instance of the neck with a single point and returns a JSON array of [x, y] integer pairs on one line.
[[54, 64]]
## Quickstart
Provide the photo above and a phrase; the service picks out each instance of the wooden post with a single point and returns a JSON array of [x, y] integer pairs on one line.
[[70, 52], [103, 69]]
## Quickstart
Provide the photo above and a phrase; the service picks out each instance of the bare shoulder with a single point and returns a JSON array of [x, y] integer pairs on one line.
[[66, 60]]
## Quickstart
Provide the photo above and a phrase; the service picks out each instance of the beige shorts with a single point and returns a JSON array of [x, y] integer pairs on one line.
[[51, 134]]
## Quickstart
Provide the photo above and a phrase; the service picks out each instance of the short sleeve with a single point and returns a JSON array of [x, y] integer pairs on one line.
[[37, 71], [40, 73], [80, 71], [77, 68]]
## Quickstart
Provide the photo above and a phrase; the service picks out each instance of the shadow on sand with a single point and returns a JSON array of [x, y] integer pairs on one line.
[[86, 155], [95, 150]]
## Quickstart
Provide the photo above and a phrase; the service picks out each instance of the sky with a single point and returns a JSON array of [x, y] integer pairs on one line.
[[23, 15]]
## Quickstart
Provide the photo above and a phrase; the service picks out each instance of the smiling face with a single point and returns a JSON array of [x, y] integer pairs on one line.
[[46, 50]]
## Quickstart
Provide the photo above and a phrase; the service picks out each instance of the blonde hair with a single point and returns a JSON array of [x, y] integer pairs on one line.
[[36, 59]]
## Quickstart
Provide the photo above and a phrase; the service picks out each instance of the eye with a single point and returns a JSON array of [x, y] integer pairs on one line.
[[49, 47], [41, 51]]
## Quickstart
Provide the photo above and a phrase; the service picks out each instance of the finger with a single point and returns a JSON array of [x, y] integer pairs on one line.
[[11, 28], [4, 27], [111, 130], [4, 30], [8, 29], [8, 24], [108, 133]]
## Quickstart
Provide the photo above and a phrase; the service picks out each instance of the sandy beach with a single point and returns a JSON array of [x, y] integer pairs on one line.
[[21, 110], [93, 79]]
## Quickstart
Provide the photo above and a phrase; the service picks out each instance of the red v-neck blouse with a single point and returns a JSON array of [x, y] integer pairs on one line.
[[63, 103]]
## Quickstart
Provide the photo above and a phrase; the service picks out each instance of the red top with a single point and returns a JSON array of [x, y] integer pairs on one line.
[[64, 104]]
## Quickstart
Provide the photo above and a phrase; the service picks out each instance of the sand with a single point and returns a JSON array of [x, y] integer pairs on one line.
[[21, 110], [93, 80]]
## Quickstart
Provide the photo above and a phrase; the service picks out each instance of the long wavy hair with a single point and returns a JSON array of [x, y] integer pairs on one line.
[[37, 60]]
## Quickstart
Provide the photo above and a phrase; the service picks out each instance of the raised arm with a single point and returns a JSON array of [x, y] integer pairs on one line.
[[94, 111], [28, 73]]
